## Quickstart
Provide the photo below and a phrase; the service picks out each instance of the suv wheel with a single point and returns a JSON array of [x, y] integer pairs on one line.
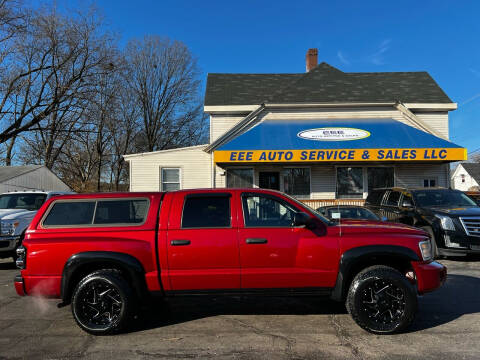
[[103, 302], [429, 230], [381, 300]]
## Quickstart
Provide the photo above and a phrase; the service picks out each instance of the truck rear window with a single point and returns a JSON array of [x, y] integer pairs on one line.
[[97, 212], [206, 212]]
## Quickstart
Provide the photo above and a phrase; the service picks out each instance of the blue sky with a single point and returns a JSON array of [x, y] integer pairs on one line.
[[441, 37]]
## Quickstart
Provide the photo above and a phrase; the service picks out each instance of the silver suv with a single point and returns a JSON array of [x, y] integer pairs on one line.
[[17, 210]]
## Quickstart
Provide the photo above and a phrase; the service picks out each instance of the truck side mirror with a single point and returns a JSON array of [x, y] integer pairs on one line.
[[303, 219]]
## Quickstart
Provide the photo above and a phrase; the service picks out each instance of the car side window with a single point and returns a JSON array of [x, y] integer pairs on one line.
[[393, 198], [211, 211], [126, 211], [105, 212], [266, 211], [70, 213]]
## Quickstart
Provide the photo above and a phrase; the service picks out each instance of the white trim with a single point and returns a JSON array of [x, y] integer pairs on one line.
[[129, 156], [433, 106], [229, 109]]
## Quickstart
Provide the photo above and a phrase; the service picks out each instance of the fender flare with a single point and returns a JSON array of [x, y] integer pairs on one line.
[[126, 262], [353, 257]]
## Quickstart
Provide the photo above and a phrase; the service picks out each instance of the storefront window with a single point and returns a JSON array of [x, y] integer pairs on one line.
[[296, 182], [349, 182], [240, 178], [380, 177]]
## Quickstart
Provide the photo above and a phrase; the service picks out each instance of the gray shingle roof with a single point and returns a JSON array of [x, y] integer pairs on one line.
[[324, 84], [10, 172], [473, 170]]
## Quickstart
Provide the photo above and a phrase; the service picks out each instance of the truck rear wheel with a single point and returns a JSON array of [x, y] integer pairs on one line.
[[381, 300], [103, 303]]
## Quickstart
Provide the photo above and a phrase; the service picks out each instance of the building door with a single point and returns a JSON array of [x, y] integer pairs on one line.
[[269, 180]]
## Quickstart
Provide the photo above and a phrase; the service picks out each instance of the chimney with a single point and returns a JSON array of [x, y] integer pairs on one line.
[[311, 59]]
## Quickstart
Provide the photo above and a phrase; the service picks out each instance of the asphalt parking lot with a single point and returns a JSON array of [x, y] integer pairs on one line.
[[447, 327]]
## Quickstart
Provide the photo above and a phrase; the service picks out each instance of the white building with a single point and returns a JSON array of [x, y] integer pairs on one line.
[[289, 132], [29, 177], [466, 177]]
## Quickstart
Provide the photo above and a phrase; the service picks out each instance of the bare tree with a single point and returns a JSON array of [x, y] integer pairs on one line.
[[163, 77], [123, 129], [53, 70]]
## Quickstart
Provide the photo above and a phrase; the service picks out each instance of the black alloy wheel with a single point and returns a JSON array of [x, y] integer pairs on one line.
[[102, 302], [381, 300]]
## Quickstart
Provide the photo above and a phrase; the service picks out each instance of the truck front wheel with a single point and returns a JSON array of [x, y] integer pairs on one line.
[[102, 302], [381, 300]]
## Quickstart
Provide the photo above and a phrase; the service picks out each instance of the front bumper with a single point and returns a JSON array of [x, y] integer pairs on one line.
[[8, 243], [465, 244], [430, 276]]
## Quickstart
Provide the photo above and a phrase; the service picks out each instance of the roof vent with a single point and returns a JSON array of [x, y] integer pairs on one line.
[[311, 59]]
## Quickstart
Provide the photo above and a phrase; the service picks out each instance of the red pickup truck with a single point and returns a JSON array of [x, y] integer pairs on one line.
[[106, 253]]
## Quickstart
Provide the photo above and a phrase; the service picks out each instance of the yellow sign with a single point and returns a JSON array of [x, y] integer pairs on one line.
[[421, 154]]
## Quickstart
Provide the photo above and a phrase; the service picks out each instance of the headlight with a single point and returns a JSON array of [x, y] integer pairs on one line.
[[426, 250], [446, 222], [8, 227]]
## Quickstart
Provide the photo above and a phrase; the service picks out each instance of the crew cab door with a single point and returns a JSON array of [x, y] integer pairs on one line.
[[275, 254], [202, 242]]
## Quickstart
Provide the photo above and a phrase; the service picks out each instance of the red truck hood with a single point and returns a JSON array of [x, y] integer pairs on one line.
[[362, 226]]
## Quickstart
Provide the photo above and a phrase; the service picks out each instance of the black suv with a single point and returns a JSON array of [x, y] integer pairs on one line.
[[450, 217]]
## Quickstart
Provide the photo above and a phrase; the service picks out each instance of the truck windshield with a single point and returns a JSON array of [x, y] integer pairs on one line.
[[22, 201], [449, 198]]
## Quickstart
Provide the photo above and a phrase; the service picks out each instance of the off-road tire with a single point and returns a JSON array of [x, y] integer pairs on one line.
[[429, 230], [400, 298], [115, 307]]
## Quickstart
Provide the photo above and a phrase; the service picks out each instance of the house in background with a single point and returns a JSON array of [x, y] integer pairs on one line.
[[29, 177], [466, 177], [323, 134]]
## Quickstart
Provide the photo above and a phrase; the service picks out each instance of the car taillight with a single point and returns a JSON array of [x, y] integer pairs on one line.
[[21, 257]]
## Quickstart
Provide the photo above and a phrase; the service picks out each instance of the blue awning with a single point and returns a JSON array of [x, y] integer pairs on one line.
[[337, 140]]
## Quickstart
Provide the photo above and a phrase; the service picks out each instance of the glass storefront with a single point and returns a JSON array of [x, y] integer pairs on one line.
[[240, 178], [349, 182], [296, 182]]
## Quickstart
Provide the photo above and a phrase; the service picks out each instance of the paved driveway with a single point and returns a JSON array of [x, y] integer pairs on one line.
[[447, 327]]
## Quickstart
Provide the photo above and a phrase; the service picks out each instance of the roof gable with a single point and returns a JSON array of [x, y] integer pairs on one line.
[[473, 169], [10, 172], [323, 84]]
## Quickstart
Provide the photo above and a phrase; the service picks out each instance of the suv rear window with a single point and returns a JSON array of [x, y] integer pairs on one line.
[[106, 212]]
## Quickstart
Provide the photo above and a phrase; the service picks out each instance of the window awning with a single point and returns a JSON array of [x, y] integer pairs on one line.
[[333, 140]]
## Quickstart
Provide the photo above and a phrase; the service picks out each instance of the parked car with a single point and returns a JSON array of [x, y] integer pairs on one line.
[[17, 210], [451, 218], [335, 212], [104, 253]]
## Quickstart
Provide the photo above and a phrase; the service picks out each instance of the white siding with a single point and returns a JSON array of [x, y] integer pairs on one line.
[[412, 175], [39, 179], [220, 124], [195, 168], [436, 120]]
